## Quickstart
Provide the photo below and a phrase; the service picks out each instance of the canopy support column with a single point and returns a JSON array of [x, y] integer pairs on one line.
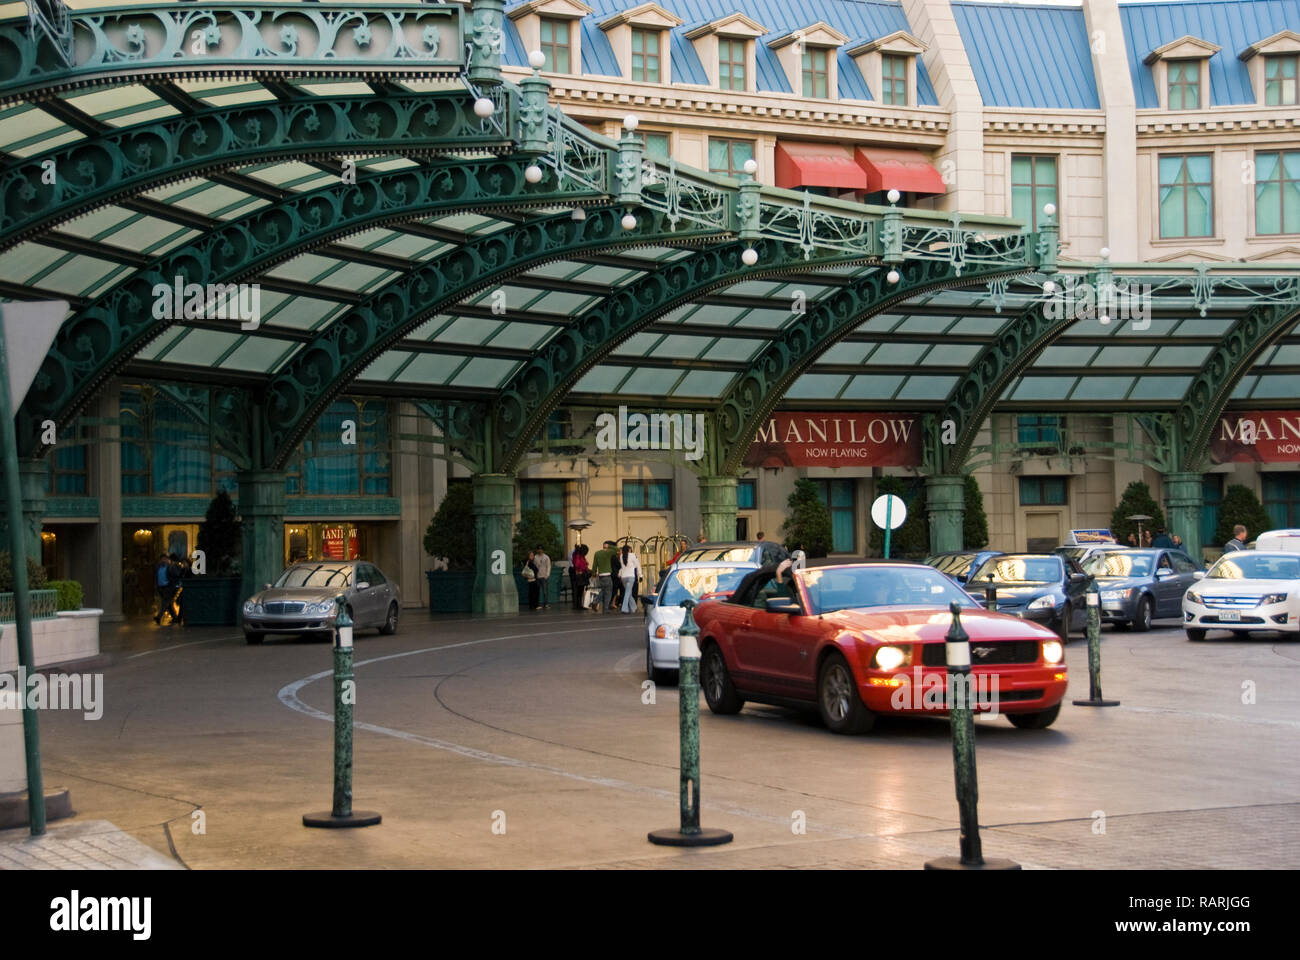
[[31, 481], [945, 498], [1185, 499], [718, 508], [261, 512], [494, 514]]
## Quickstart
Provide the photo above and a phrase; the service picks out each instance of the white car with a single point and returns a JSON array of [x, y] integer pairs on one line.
[[665, 614], [1246, 591]]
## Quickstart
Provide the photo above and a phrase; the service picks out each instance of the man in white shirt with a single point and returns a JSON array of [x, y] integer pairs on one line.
[[543, 562]]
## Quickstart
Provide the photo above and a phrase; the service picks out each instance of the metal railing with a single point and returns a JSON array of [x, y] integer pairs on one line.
[[45, 604]]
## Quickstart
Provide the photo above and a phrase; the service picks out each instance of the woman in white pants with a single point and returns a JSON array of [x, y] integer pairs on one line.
[[629, 572]]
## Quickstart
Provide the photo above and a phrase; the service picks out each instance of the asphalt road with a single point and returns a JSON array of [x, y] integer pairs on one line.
[[528, 742]]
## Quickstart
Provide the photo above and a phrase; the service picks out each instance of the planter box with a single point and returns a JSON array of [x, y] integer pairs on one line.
[[450, 591], [211, 601], [69, 635]]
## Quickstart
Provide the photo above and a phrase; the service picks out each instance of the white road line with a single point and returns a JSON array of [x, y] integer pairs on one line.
[[177, 646]]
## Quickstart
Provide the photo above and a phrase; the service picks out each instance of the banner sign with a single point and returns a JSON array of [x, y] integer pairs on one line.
[[1256, 436], [797, 439]]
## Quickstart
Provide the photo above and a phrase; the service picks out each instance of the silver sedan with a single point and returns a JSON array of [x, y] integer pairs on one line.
[[304, 599]]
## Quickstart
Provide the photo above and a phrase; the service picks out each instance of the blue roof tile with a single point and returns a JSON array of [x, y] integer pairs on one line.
[[1232, 25]]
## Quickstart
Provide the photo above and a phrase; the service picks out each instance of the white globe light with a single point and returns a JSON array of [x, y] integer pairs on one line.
[[893, 276], [1049, 209], [537, 59], [1104, 319], [749, 256], [1104, 252], [1049, 287], [578, 214], [893, 196], [533, 173], [483, 107], [751, 166], [630, 122], [629, 221]]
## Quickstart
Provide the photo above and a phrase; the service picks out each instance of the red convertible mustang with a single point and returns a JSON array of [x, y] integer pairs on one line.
[[863, 639]]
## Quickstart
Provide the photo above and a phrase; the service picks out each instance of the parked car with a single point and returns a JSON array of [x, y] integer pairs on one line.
[[303, 600], [759, 552], [1045, 587], [1081, 545], [1138, 586], [1246, 591], [665, 614], [958, 565], [1282, 541], [860, 639]]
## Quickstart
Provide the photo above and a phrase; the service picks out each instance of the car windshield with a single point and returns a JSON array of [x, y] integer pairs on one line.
[[846, 588], [1018, 570], [1071, 553], [1249, 566], [732, 554], [1119, 563], [315, 576], [694, 582], [955, 565]]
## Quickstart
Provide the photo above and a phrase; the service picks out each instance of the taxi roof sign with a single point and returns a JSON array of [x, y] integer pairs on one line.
[[1083, 538]]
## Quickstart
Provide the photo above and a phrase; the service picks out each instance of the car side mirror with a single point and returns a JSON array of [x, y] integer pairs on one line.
[[363, 585], [649, 599], [1198, 575], [1163, 574], [1079, 577], [783, 605]]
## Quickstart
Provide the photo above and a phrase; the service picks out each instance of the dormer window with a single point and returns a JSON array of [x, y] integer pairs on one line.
[[1181, 73], [640, 40], [1272, 64], [888, 65], [726, 48], [807, 56], [552, 26]]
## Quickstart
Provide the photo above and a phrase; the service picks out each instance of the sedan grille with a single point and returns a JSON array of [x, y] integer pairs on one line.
[[1231, 603], [985, 652], [284, 606]]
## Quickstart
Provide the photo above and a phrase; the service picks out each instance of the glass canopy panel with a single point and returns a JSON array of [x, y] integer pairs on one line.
[[763, 319], [485, 372], [872, 387], [846, 353], [296, 313], [1159, 327], [436, 368], [472, 330], [361, 277], [27, 260], [386, 364], [1287, 353], [563, 304], [601, 379], [608, 276], [735, 349], [762, 288], [980, 326], [1043, 388], [952, 354], [715, 314], [522, 336], [1274, 387], [1160, 388], [638, 345], [260, 354], [201, 348], [1102, 388], [1065, 357], [703, 383], [154, 349], [927, 388], [305, 268], [1120, 357], [76, 275], [916, 323], [218, 201], [896, 353], [1245, 387], [817, 386], [237, 96], [651, 381], [287, 174], [25, 128], [1189, 356], [412, 247], [880, 323], [1203, 327]]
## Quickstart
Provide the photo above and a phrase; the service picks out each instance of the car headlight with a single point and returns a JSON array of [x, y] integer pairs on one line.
[[1272, 598], [326, 606], [1195, 597], [1043, 603], [1053, 651], [666, 632], [1113, 595], [251, 607], [891, 658]]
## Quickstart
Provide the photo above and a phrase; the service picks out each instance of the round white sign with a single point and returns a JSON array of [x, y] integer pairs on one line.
[[896, 507]]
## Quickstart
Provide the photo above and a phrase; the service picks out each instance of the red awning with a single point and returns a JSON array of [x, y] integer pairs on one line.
[[907, 171], [817, 165]]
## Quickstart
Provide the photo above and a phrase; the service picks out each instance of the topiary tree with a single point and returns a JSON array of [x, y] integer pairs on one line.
[[1136, 500], [219, 536], [974, 523], [35, 574], [536, 526], [912, 539], [1240, 505], [450, 534], [808, 522]]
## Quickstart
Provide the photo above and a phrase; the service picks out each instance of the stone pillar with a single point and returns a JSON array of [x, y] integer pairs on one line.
[[1119, 152], [31, 479], [1185, 499], [494, 514], [945, 499], [106, 484], [261, 514], [718, 508]]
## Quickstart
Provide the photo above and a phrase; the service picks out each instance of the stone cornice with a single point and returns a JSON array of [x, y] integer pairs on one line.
[[1232, 118], [1080, 123]]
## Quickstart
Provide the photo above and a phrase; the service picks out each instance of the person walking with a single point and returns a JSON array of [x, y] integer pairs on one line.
[[604, 564], [542, 560], [529, 573], [616, 577], [177, 571], [1162, 540], [161, 582], [1238, 541], [577, 566], [629, 571]]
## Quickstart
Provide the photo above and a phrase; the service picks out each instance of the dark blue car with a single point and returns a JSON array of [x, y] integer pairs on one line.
[[958, 565]]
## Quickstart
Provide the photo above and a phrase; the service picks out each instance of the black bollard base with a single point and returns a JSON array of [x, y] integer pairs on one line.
[[326, 818], [955, 863], [1095, 703], [707, 837]]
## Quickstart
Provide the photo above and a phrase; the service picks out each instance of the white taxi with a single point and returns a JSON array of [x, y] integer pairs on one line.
[[1245, 591]]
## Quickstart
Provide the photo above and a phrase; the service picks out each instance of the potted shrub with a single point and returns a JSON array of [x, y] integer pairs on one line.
[[212, 598], [536, 527], [808, 522], [450, 539]]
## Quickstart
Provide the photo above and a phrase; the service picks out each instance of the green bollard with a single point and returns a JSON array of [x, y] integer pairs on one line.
[[342, 815], [959, 700], [690, 833], [1095, 698]]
